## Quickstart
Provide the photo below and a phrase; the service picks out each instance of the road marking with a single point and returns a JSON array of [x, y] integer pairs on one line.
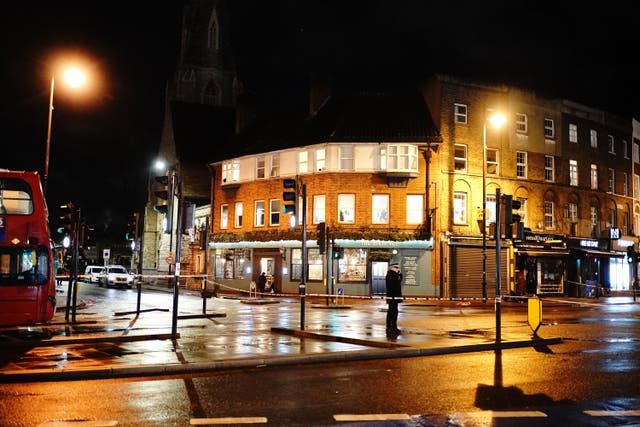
[[370, 417], [227, 420], [60, 423], [503, 414], [621, 413]]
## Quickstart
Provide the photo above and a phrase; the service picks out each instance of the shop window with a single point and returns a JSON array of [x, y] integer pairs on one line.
[[352, 267]]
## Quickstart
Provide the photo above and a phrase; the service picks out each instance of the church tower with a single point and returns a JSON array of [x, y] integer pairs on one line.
[[206, 72]]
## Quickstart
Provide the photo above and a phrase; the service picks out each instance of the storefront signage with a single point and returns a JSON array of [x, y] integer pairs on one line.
[[614, 233], [589, 243]]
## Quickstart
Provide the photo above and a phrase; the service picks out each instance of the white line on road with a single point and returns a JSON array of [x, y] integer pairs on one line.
[[63, 423], [502, 414], [621, 413], [227, 420], [370, 417]]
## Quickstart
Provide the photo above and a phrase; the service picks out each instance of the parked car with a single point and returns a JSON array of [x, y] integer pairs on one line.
[[135, 278], [92, 273], [117, 276]]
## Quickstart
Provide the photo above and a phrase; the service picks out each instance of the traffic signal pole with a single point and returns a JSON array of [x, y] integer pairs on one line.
[[303, 287], [498, 290]]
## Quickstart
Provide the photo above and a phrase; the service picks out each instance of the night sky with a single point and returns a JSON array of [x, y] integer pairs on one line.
[[103, 144]]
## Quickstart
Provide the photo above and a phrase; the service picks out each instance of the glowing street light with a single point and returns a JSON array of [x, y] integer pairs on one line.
[[74, 77], [496, 120]]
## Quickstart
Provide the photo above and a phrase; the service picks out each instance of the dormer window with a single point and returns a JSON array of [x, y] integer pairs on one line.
[[230, 172]]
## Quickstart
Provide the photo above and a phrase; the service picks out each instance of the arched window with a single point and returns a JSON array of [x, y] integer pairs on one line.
[[211, 93], [213, 31]]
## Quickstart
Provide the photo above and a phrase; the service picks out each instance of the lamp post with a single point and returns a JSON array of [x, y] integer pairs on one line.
[[74, 77], [496, 120]]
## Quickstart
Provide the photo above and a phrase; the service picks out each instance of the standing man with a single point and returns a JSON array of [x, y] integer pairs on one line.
[[394, 295], [262, 283]]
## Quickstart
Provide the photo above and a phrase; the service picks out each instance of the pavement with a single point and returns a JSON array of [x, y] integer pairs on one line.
[[235, 331]]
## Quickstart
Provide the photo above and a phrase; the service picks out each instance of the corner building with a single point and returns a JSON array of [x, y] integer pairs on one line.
[[398, 176]]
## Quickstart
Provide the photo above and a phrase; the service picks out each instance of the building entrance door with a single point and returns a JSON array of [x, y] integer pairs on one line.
[[378, 274]]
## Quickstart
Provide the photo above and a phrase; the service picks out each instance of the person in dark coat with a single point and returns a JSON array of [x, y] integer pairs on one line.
[[262, 282], [394, 296]]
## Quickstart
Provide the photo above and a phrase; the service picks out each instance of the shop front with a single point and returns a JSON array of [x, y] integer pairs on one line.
[[540, 264], [599, 266]]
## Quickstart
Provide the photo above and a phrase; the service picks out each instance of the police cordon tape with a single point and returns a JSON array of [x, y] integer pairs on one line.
[[591, 290]]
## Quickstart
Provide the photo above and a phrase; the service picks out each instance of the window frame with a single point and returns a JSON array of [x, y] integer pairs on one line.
[[380, 208], [549, 128], [521, 123], [521, 164], [549, 168], [457, 160], [460, 209], [414, 209], [573, 133], [259, 215], [460, 117], [346, 208]]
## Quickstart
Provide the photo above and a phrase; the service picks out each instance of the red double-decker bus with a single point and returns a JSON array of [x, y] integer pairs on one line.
[[27, 279]]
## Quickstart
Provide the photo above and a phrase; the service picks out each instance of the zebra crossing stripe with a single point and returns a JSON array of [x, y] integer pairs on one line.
[[227, 420], [621, 413], [81, 423], [370, 417], [502, 414]]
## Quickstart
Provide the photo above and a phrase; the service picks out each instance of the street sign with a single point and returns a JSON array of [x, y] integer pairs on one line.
[[534, 315], [169, 259], [106, 253]]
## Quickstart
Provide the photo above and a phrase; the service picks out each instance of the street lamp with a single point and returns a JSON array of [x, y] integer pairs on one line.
[[74, 77], [496, 120]]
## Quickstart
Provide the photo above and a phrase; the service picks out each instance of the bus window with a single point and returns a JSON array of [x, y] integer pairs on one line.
[[15, 197], [23, 266]]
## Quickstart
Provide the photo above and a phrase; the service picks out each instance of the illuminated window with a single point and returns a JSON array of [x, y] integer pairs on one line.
[[459, 208], [573, 172], [594, 176], [320, 159], [346, 208], [402, 157], [260, 167], [275, 165], [224, 216], [303, 162], [238, 215], [259, 213], [352, 267], [230, 171], [491, 208], [318, 208], [380, 209], [346, 157], [593, 138], [573, 133]]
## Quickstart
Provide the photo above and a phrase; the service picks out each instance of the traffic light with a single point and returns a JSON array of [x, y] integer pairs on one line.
[[290, 197], [338, 252], [322, 237], [68, 219], [631, 254], [511, 218], [164, 191], [132, 227]]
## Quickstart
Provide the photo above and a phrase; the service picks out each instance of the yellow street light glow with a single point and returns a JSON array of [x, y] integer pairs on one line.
[[75, 77], [497, 120]]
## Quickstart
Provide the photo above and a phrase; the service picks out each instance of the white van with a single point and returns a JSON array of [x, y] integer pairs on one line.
[[92, 273]]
